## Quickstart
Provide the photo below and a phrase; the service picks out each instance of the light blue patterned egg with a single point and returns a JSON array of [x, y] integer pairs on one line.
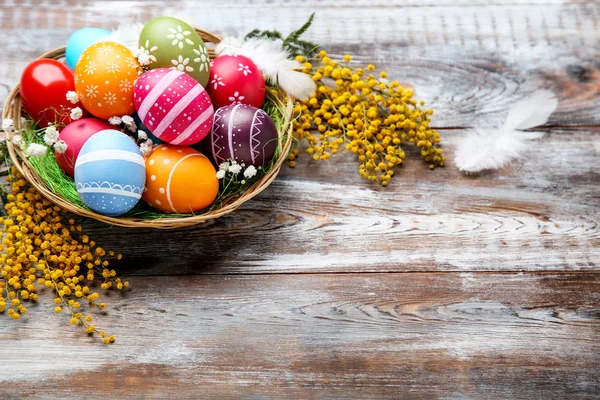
[[81, 40], [110, 173]]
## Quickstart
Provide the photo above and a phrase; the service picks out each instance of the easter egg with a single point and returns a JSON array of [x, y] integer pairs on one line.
[[243, 133], [168, 42], [104, 79], [110, 173], [81, 40], [235, 80], [179, 180], [75, 135], [44, 87], [173, 106]]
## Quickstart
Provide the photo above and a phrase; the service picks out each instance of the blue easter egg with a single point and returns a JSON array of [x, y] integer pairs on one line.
[[110, 173], [81, 40]]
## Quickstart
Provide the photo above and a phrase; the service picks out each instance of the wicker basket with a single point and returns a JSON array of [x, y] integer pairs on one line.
[[13, 109]]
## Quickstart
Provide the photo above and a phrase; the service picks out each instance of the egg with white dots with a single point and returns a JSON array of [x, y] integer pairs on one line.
[[110, 173], [173, 106], [179, 180]]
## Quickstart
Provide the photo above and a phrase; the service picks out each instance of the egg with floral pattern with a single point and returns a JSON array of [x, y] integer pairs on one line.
[[110, 173], [179, 180], [235, 80], [167, 42], [173, 106], [104, 79]]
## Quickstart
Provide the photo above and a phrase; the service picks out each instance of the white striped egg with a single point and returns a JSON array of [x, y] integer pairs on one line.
[[110, 173], [173, 106]]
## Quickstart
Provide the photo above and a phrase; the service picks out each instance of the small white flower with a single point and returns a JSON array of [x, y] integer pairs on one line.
[[127, 120], [35, 149], [50, 135], [76, 113], [104, 49], [18, 141], [250, 171], [181, 64], [202, 58], [221, 174], [91, 91], [113, 67], [179, 36], [144, 59], [8, 125], [216, 81], [144, 55], [126, 85], [90, 68], [243, 182], [245, 69], [146, 148], [224, 166], [110, 98], [236, 98], [235, 168], [72, 97], [60, 147], [142, 135], [114, 120], [51, 130]]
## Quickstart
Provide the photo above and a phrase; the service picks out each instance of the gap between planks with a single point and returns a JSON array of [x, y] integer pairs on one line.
[[373, 272]]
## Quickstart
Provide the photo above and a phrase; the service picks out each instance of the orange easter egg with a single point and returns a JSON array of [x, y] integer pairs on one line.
[[104, 79], [179, 180]]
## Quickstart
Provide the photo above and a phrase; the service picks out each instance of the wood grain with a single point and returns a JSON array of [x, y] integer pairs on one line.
[[322, 217], [322, 336], [469, 61], [326, 286]]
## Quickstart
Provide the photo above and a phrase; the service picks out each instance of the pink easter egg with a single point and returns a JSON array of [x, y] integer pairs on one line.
[[173, 106]]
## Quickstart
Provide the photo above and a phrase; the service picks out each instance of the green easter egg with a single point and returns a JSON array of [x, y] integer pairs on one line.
[[171, 43]]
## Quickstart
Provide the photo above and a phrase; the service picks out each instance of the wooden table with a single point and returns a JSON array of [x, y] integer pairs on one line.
[[327, 286]]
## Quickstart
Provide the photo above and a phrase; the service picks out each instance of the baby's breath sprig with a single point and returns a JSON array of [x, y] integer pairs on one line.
[[43, 247], [365, 114]]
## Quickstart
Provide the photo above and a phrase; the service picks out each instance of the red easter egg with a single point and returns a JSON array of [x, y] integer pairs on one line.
[[44, 87], [242, 133], [173, 106], [235, 80], [75, 135]]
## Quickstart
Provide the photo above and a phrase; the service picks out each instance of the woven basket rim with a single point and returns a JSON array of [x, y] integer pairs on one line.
[[13, 109]]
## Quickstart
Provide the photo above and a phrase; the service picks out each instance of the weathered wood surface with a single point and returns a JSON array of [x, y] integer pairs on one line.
[[429, 335], [323, 218], [326, 286]]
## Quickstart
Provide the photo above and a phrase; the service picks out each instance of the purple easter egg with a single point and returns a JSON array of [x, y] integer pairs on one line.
[[173, 106], [242, 133]]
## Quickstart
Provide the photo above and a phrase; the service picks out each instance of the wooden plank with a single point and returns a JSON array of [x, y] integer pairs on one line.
[[322, 217], [469, 61], [516, 336]]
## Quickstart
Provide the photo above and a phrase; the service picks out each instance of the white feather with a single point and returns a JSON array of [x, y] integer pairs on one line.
[[531, 111], [496, 147], [273, 61], [127, 34]]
